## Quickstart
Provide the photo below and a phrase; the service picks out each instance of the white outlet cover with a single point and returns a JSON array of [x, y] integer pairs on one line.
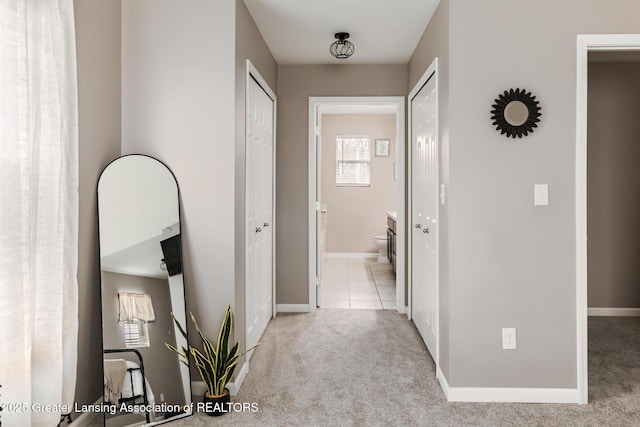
[[508, 338]]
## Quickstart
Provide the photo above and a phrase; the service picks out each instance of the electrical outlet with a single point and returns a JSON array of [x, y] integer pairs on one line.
[[508, 338]]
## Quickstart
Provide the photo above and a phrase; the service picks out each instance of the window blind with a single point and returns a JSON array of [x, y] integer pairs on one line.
[[136, 334], [353, 161]]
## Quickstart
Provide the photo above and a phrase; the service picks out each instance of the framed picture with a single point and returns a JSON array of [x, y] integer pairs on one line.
[[382, 148]]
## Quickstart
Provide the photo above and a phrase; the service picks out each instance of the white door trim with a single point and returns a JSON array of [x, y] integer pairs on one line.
[[585, 44], [432, 70], [252, 73], [316, 103]]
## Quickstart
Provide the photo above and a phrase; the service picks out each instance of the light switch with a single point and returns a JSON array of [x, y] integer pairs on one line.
[[541, 194], [442, 196]]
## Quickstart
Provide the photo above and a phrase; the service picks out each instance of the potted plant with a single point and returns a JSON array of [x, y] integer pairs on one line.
[[216, 365]]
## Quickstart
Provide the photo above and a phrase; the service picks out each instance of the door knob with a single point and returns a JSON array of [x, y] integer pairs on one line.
[[265, 225], [425, 231], [418, 226], [258, 229], [324, 211]]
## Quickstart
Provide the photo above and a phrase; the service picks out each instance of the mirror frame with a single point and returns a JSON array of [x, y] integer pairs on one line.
[[500, 121], [191, 412]]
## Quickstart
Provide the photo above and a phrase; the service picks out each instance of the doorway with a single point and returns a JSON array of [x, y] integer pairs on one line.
[[358, 204], [587, 44], [319, 214]]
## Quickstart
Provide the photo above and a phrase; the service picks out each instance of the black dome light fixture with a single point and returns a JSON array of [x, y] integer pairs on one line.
[[342, 48]]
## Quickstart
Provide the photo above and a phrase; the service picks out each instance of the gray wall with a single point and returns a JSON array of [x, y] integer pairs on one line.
[[613, 184], [435, 43], [357, 214], [296, 83], [160, 364], [183, 102], [249, 45], [178, 105], [98, 56], [512, 264]]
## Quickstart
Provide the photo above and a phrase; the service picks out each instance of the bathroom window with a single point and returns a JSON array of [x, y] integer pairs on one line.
[[353, 161]]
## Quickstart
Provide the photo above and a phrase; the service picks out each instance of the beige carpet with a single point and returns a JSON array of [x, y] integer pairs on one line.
[[370, 368]]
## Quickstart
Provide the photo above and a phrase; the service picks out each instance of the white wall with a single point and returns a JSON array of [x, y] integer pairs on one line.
[[178, 105]]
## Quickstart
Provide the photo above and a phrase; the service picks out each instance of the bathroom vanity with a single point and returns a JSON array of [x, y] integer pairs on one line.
[[391, 238]]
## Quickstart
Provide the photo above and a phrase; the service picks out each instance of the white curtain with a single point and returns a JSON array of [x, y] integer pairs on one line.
[[135, 307], [39, 212]]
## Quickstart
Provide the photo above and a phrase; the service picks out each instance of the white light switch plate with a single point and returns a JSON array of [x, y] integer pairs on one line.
[[541, 194]]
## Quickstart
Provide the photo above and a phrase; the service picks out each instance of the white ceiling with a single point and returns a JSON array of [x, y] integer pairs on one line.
[[142, 259], [301, 31]]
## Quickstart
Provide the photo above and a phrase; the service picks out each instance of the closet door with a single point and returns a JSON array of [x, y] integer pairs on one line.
[[259, 208], [424, 214]]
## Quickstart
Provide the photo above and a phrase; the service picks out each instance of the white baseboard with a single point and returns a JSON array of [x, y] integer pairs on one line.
[[199, 387], [86, 418], [618, 312], [507, 395], [444, 384], [352, 255], [292, 308], [402, 309]]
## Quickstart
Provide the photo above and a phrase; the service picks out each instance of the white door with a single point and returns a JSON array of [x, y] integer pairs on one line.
[[259, 210], [424, 209]]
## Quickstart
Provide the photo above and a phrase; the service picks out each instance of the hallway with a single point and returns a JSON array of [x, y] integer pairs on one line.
[[370, 368]]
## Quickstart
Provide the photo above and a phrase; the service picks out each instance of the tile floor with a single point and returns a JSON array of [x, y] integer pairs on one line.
[[357, 283]]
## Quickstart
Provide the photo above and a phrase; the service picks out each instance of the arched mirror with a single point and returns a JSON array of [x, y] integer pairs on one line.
[[142, 285]]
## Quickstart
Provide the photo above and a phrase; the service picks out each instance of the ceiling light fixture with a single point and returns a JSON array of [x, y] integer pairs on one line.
[[342, 48]]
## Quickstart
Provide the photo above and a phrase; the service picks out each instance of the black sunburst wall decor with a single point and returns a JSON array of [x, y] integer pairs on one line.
[[513, 130]]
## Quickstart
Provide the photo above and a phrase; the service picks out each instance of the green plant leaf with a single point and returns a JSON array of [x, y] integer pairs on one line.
[[204, 368], [215, 364], [180, 328], [232, 353], [183, 355], [223, 337], [206, 344]]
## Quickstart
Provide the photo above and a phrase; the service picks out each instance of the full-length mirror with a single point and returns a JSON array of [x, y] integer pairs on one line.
[[142, 284]]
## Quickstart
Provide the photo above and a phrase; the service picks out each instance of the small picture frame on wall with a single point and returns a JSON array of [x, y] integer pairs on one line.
[[382, 148]]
